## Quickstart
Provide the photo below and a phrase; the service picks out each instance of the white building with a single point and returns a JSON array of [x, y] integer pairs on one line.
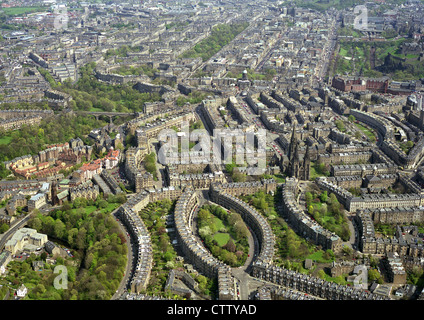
[[36, 201], [22, 291], [25, 239]]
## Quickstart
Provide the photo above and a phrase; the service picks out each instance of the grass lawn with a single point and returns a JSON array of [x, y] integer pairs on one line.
[[218, 223], [88, 209], [343, 52], [5, 140], [339, 280], [279, 178], [111, 206], [365, 130], [317, 256], [221, 238], [94, 109]]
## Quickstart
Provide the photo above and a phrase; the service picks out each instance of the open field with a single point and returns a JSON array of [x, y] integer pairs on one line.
[[16, 11]]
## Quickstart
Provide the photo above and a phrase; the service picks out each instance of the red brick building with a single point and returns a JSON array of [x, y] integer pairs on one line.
[[357, 84]]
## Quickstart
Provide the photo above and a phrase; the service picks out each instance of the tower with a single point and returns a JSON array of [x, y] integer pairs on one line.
[[293, 143], [293, 167], [54, 193], [421, 119], [244, 75], [297, 168]]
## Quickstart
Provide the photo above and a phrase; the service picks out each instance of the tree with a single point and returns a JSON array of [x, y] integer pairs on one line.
[[324, 196], [202, 281], [238, 176], [168, 255], [333, 199], [347, 250], [340, 125], [102, 204], [240, 230], [72, 235], [59, 229], [308, 197], [81, 238], [230, 246], [25, 267], [373, 275], [4, 227]]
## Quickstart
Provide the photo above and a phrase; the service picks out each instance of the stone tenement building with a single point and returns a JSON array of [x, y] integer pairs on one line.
[[345, 158], [370, 244], [370, 201], [153, 111], [397, 215], [195, 252], [362, 170], [151, 130], [310, 285], [140, 178], [70, 153], [184, 277], [116, 78], [17, 123], [87, 192], [302, 223], [22, 113], [213, 119], [371, 182], [194, 180], [395, 270], [389, 145], [244, 188], [268, 292], [374, 201], [141, 240]]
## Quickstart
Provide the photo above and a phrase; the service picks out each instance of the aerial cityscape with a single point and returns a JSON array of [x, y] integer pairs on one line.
[[212, 150]]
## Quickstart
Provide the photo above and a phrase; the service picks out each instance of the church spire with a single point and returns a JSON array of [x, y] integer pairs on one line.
[[307, 164], [293, 143]]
